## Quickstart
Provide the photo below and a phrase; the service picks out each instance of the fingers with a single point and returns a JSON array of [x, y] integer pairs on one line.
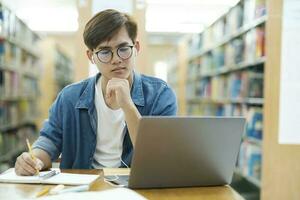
[[28, 159], [26, 166], [39, 164], [116, 84]]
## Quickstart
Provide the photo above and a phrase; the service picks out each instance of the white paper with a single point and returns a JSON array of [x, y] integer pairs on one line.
[[10, 176], [72, 179], [289, 110]]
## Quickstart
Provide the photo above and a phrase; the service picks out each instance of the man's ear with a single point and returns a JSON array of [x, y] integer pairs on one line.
[[89, 54], [137, 46]]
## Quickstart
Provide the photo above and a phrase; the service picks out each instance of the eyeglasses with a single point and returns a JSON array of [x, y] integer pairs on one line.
[[106, 55]]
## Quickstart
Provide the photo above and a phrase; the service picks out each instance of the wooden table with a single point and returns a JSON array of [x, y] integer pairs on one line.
[[17, 191]]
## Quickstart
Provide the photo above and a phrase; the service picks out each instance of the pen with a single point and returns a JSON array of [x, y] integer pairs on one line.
[[48, 175], [30, 152], [43, 192]]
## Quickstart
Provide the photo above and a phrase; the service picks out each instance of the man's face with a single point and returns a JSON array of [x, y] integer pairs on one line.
[[116, 58]]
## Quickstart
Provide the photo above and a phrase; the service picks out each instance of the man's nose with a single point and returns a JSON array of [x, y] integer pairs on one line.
[[115, 58]]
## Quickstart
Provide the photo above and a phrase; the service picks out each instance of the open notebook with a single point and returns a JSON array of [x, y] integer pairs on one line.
[[10, 176]]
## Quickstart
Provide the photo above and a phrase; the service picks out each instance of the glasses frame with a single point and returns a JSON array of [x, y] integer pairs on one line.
[[112, 53]]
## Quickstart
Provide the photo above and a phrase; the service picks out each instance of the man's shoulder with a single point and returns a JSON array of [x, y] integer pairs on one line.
[[75, 90], [151, 81]]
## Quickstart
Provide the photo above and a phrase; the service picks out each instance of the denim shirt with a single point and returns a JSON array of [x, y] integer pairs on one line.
[[72, 125]]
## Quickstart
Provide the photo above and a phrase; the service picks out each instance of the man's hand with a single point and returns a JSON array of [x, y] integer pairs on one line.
[[26, 166], [118, 94]]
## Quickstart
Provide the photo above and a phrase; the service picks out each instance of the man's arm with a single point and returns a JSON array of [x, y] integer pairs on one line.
[[48, 145], [132, 118], [165, 104], [118, 96], [43, 156]]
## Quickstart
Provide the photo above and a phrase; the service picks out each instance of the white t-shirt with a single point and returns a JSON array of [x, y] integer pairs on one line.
[[110, 134]]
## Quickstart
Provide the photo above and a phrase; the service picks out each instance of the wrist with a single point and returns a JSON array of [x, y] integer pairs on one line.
[[129, 107]]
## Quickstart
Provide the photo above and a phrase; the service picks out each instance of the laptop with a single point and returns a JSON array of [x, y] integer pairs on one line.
[[184, 152]]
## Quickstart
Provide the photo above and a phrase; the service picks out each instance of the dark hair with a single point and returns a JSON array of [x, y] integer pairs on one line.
[[105, 24]]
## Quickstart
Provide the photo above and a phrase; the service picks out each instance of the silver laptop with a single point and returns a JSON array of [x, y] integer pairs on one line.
[[185, 151]]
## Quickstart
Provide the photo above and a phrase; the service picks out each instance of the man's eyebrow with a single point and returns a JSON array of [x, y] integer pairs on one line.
[[109, 47]]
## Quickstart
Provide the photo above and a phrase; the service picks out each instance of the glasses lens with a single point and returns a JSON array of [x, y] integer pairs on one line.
[[104, 55], [124, 52]]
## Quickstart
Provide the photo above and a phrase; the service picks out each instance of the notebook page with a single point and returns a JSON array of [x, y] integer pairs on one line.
[[71, 179]]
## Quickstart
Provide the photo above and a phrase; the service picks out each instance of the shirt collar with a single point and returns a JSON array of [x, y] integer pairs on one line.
[[137, 94]]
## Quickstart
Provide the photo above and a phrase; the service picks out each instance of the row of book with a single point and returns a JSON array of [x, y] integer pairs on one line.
[[194, 44], [233, 86], [63, 70], [15, 140], [16, 112], [249, 160], [193, 71], [238, 17], [12, 55], [19, 67], [15, 85], [245, 49], [13, 28]]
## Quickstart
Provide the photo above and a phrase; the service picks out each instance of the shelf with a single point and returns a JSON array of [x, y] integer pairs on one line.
[[18, 98], [9, 68], [237, 67], [30, 73], [20, 45], [5, 128], [253, 140], [251, 101], [8, 156], [250, 179], [238, 33]]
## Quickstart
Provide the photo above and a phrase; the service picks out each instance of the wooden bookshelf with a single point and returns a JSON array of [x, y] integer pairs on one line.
[[58, 72], [19, 85], [277, 170], [223, 75], [281, 169]]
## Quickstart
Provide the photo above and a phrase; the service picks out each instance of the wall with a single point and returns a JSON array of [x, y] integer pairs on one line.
[[158, 53]]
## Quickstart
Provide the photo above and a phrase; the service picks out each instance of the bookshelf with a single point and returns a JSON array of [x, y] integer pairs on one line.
[[19, 89], [224, 76], [58, 72]]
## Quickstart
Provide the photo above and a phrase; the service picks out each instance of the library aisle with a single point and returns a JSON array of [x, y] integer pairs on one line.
[[221, 57]]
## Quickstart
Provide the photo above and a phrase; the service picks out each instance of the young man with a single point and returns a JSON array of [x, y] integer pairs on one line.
[[93, 123]]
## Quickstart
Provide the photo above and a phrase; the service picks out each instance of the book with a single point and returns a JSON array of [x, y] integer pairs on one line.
[[250, 160], [249, 11], [254, 44], [254, 126], [234, 19], [10, 176], [219, 30]]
